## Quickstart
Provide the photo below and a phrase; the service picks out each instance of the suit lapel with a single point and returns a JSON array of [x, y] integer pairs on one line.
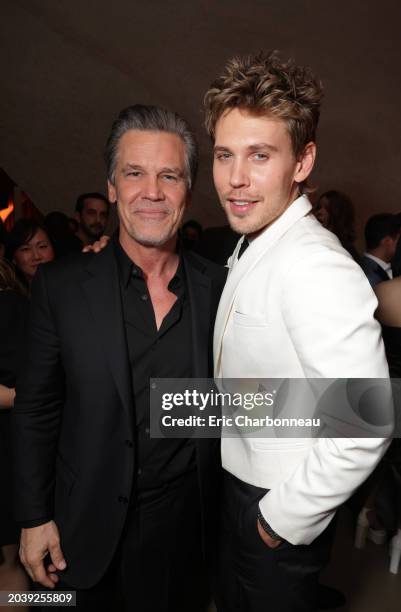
[[199, 288], [380, 272], [102, 291], [240, 269]]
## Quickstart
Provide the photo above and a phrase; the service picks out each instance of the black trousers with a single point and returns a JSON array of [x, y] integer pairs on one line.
[[255, 578], [159, 564]]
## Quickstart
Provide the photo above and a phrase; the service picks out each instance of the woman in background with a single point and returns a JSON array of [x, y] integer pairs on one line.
[[389, 315], [28, 245], [335, 211], [13, 310]]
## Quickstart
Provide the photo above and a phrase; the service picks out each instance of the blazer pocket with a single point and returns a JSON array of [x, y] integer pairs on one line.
[[249, 320]]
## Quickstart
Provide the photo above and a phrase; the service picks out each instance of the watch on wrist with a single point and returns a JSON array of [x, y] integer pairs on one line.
[[266, 527]]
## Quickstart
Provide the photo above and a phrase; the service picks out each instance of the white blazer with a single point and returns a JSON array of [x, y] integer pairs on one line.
[[297, 305]]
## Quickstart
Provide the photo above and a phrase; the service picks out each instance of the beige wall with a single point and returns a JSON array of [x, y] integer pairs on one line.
[[67, 68]]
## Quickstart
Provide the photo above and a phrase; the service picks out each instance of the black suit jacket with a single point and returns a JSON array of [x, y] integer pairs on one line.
[[373, 271], [73, 415]]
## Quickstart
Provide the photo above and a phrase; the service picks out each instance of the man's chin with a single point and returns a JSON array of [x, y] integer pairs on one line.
[[154, 241], [240, 226]]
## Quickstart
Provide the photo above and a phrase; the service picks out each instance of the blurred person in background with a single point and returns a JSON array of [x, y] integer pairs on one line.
[[381, 512], [396, 261], [28, 245], [13, 309], [192, 235], [381, 236], [335, 211], [74, 225], [92, 213], [63, 239]]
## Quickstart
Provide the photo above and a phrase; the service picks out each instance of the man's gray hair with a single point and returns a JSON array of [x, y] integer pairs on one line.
[[154, 119]]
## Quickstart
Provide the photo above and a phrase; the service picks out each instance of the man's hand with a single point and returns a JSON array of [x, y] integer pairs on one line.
[[268, 540], [7, 397], [97, 246], [36, 543]]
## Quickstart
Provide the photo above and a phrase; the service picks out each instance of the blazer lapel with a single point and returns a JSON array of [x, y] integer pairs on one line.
[[102, 290], [199, 288], [239, 269]]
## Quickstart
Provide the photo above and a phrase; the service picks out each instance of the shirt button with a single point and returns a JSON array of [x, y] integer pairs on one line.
[[144, 297], [129, 443], [147, 430], [139, 472]]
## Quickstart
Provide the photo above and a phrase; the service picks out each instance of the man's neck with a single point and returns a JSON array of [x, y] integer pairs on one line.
[[380, 254], [155, 261]]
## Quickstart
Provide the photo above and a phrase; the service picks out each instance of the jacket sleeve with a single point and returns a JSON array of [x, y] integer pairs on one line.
[[37, 412], [332, 327]]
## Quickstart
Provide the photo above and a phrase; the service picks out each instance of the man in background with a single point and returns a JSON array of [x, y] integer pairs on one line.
[[381, 236], [92, 213]]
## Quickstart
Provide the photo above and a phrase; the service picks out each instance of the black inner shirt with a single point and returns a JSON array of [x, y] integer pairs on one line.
[[153, 353]]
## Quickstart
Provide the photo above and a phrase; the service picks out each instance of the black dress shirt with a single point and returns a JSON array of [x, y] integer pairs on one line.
[[155, 353]]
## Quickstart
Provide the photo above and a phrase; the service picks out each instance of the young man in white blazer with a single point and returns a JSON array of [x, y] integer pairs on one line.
[[295, 305]]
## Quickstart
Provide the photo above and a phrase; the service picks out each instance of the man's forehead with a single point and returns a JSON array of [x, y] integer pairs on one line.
[[148, 147], [255, 130], [94, 203]]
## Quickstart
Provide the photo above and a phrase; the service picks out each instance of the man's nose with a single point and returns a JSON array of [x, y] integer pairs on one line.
[[239, 176], [151, 189]]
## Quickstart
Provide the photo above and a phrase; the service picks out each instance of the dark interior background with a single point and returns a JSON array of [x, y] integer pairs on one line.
[[67, 68]]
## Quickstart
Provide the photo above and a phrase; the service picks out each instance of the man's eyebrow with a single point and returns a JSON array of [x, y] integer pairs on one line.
[[262, 146], [129, 166], [172, 170], [254, 147]]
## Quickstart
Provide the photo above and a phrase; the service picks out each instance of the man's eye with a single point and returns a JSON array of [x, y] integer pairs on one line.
[[260, 156], [170, 177], [133, 173], [223, 155]]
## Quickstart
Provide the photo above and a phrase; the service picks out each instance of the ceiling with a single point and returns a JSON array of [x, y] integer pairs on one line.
[[67, 68]]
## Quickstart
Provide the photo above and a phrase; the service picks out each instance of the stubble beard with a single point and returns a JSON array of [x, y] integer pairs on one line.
[[145, 240]]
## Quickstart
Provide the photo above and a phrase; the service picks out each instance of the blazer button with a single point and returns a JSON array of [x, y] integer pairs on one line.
[[122, 499], [128, 443]]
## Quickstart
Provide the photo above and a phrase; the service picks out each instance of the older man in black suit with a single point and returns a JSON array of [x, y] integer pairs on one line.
[[105, 508]]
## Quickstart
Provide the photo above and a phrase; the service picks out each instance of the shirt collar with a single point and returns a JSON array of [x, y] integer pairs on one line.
[[383, 264], [128, 268]]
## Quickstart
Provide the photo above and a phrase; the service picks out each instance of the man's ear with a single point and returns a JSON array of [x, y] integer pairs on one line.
[[305, 163], [387, 242], [111, 193]]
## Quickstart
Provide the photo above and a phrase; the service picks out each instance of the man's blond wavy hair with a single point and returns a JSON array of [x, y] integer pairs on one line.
[[263, 84]]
